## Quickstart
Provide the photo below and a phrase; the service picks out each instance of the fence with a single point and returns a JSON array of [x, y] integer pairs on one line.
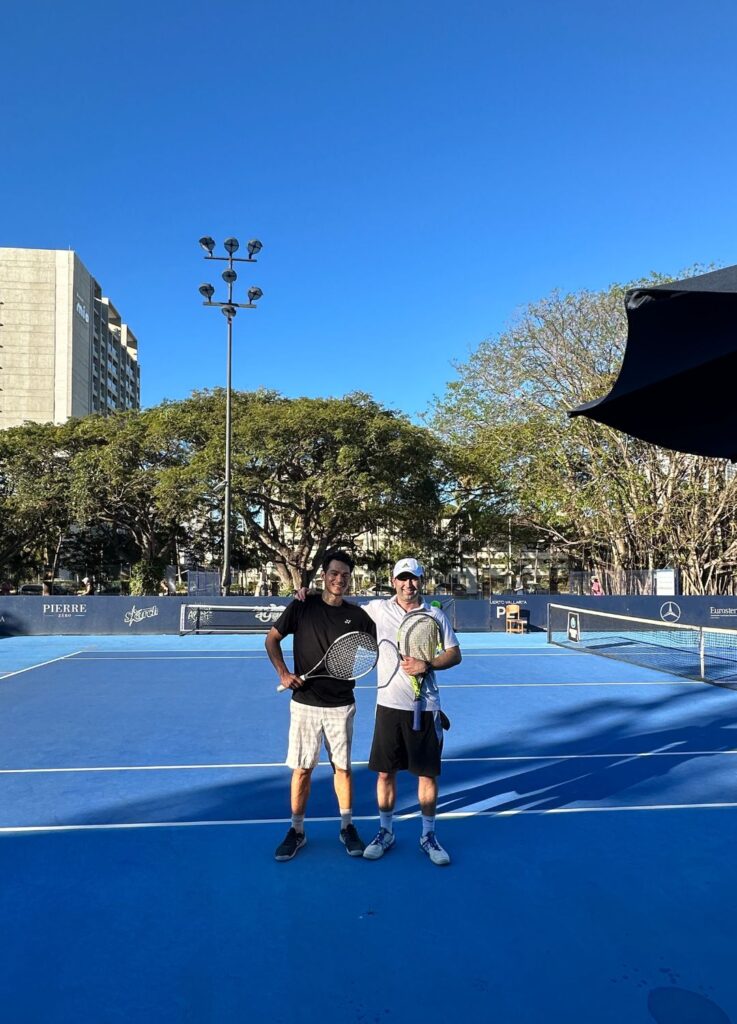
[[203, 583], [629, 582]]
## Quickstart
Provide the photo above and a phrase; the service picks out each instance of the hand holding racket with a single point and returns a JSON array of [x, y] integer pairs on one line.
[[351, 656], [419, 637]]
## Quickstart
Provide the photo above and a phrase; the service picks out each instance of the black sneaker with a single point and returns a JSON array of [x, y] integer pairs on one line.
[[354, 847], [293, 841]]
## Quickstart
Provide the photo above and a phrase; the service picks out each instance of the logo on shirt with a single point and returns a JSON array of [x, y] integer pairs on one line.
[[348, 622]]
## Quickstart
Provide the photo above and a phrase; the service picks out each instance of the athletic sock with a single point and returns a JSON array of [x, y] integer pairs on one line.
[[385, 820], [428, 824], [298, 822], [346, 817]]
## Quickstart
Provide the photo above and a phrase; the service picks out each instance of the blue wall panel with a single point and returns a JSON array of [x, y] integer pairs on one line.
[[34, 615]]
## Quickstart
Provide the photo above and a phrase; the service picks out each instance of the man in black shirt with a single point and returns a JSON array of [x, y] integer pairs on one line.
[[322, 708]]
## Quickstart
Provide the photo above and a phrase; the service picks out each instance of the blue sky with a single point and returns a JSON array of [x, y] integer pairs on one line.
[[416, 171]]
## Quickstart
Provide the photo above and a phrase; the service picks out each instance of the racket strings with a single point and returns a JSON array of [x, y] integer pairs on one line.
[[421, 639], [352, 656]]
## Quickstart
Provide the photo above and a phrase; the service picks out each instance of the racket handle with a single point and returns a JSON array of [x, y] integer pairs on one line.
[[417, 716], [281, 688]]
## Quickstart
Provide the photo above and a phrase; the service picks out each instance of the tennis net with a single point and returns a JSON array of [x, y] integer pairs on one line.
[[707, 653], [227, 618]]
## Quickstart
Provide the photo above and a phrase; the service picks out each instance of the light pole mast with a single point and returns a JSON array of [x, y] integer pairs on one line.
[[229, 310]]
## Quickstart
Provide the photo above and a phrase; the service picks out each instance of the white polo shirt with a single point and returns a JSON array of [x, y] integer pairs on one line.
[[395, 686]]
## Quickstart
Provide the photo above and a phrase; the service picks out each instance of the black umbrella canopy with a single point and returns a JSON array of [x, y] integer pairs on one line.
[[677, 387]]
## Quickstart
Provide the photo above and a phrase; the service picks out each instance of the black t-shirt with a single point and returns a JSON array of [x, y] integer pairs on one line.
[[315, 625]]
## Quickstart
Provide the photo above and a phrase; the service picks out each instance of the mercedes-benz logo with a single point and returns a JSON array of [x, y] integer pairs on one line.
[[670, 612]]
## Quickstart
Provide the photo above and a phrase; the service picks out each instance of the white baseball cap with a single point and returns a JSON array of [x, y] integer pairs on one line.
[[410, 565]]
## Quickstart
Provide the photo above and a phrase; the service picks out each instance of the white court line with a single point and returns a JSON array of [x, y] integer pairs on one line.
[[171, 657], [250, 655], [41, 664], [643, 682], [445, 815], [527, 686], [149, 768], [325, 764], [519, 654]]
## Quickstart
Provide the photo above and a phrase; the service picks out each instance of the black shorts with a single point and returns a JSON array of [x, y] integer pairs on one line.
[[397, 747]]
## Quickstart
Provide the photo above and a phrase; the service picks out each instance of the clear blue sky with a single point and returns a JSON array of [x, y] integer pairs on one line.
[[417, 171]]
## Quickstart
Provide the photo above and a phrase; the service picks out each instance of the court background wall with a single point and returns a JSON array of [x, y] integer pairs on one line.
[[32, 615]]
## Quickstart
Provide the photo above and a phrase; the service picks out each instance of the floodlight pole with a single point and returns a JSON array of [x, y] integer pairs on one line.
[[225, 578], [229, 309]]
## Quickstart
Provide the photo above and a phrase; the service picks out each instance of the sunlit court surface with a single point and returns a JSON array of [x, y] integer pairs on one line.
[[589, 807]]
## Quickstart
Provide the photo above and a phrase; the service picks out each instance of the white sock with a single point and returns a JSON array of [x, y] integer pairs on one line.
[[346, 817], [428, 824], [298, 822], [385, 820]]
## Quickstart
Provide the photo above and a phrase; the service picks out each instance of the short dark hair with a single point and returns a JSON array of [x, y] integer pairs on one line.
[[335, 554]]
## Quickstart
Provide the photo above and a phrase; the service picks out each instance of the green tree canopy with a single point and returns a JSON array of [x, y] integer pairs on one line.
[[312, 473], [307, 474], [612, 500]]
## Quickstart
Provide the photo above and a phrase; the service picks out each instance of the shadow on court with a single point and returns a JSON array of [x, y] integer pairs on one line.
[[605, 764], [542, 918]]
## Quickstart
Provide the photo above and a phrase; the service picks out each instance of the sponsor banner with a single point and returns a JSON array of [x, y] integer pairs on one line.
[[694, 611], [58, 609], [256, 618], [37, 615], [134, 616], [34, 615]]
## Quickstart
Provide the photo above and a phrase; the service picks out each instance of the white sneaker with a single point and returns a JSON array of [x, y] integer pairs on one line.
[[382, 841], [434, 850]]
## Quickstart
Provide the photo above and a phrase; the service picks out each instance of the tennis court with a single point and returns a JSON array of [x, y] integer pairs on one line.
[[589, 807]]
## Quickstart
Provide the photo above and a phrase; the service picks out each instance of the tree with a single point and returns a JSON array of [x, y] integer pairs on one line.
[[35, 470], [611, 500], [309, 474], [125, 474]]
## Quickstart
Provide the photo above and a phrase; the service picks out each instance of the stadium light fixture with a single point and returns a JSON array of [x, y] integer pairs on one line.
[[229, 308]]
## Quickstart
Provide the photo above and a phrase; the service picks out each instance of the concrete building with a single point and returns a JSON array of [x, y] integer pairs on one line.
[[64, 350]]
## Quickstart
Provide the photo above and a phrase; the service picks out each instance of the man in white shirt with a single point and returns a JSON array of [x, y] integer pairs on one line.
[[396, 746]]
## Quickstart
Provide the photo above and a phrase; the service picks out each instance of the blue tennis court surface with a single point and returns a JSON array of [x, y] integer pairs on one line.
[[589, 807]]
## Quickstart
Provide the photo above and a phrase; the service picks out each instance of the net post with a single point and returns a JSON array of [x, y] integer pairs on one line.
[[702, 657]]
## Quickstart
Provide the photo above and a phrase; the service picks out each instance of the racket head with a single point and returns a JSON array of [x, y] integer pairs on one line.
[[419, 636], [352, 656]]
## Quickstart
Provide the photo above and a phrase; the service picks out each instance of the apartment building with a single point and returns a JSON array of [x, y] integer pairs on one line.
[[64, 349]]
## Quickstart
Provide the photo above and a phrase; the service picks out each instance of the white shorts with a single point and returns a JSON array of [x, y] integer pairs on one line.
[[309, 726]]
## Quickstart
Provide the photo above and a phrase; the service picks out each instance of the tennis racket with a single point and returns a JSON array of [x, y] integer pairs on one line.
[[420, 637], [351, 656]]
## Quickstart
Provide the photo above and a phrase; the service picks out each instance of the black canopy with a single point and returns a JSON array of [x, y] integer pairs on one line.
[[678, 384]]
